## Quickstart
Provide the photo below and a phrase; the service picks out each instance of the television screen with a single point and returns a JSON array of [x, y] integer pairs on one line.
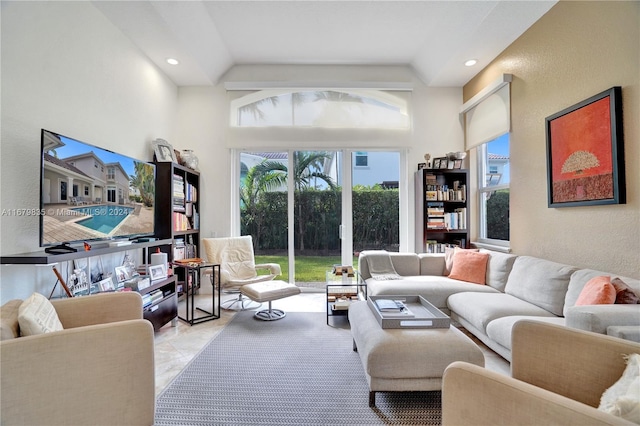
[[88, 193]]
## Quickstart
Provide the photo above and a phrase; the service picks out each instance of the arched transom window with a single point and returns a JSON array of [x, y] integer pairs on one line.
[[339, 108]]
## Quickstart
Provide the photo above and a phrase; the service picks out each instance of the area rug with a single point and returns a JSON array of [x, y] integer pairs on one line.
[[294, 371]]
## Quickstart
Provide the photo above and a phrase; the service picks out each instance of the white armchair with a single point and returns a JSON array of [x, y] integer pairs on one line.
[[237, 267]]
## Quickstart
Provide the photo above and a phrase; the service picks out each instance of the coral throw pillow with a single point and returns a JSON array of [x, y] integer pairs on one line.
[[624, 293], [597, 291], [448, 258], [469, 266]]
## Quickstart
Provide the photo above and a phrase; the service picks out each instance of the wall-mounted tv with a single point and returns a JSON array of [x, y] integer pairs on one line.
[[89, 193]]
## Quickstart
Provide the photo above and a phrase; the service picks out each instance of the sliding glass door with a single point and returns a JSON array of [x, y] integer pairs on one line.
[[309, 210]]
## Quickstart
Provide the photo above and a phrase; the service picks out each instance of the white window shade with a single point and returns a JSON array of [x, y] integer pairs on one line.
[[488, 114]]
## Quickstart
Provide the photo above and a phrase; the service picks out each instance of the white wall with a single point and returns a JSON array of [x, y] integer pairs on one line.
[[203, 117], [66, 68]]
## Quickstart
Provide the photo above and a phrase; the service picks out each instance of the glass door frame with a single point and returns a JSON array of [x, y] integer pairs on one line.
[[346, 229]]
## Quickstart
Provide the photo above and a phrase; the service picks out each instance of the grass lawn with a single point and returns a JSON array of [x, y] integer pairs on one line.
[[308, 268]]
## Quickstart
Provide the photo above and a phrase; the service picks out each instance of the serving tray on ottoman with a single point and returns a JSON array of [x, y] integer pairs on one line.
[[423, 313]]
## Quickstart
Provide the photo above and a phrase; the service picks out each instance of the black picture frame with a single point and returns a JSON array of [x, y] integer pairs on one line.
[[585, 152], [440, 163]]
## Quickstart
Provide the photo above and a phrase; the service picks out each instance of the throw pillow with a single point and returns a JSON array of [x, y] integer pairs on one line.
[[622, 399], [597, 291], [448, 258], [470, 266], [37, 315], [624, 293]]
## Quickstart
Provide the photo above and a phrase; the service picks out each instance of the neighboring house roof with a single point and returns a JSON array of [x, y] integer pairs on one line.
[[271, 155], [119, 166], [85, 155], [62, 163], [497, 157]]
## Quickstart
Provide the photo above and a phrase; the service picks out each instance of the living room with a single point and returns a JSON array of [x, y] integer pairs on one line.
[[67, 68]]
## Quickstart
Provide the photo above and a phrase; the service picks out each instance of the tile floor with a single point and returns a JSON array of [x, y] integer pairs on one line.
[[176, 346]]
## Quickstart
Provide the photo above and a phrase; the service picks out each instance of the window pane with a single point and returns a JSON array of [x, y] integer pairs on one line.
[[322, 108], [494, 189], [496, 205], [497, 161]]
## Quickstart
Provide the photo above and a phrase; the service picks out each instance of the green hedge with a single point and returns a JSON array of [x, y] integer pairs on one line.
[[318, 217]]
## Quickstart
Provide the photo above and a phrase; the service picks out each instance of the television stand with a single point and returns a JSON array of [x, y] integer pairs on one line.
[[60, 249]]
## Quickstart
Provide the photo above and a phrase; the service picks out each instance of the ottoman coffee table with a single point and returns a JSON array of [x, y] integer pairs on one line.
[[406, 359]]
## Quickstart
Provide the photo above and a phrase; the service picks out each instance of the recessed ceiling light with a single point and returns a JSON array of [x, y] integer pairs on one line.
[[470, 62], [172, 61]]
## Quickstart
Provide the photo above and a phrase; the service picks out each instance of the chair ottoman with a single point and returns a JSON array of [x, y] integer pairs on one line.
[[397, 360], [267, 291]]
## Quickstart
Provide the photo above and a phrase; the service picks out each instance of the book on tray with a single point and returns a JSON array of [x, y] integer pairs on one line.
[[393, 308]]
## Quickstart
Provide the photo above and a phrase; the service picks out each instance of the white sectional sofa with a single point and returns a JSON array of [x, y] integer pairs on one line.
[[516, 287]]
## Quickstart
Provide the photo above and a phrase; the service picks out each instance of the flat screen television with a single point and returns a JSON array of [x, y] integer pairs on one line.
[[89, 193]]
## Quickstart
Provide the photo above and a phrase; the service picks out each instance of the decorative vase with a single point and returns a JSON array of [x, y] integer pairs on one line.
[[189, 159]]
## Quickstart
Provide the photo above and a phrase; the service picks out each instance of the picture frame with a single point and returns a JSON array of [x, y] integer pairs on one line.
[[97, 270], [122, 273], [83, 265], [585, 152], [440, 163], [106, 285], [163, 151], [422, 166], [157, 272], [457, 164]]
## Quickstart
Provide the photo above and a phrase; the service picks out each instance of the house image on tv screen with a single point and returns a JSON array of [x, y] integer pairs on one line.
[[89, 193]]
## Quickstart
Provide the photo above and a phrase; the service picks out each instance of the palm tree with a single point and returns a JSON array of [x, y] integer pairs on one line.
[[265, 176], [143, 180], [271, 175]]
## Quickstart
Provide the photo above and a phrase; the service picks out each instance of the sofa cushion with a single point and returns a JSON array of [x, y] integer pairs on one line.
[[405, 264], [580, 277], [37, 315], [431, 264], [597, 318], [436, 289], [539, 281], [479, 309], [498, 268], [9, 319], [597, 291], [627, 332], [499, 329], [469, 266]]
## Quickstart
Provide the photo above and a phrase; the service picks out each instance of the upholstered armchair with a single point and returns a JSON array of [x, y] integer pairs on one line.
[[237, 267], [558, 377], [98, 370]]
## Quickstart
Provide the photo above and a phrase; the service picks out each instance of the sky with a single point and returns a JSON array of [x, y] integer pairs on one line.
[[73, 147]]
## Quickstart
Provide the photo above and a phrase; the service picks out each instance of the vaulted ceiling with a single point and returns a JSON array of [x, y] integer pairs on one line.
[[435, 38]]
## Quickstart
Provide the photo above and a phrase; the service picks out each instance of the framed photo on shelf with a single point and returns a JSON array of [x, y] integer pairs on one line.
[[440, 163], [585, 152], [157, 272], [163, 151], [422, 166], [122, 274], [106, 285], [457, 164]]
